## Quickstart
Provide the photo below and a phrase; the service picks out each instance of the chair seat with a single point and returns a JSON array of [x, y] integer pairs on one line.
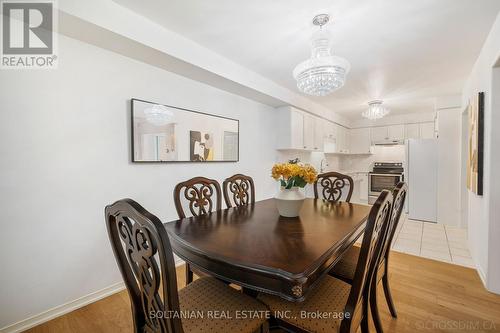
[[329, 298], [346, 267], [208, 295]]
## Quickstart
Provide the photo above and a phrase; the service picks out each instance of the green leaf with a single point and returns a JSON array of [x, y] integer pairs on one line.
[[300, 182], [282, 182]]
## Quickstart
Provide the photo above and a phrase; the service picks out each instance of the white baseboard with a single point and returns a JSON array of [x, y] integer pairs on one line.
[[63, 309], [481, 274], [68, 307]]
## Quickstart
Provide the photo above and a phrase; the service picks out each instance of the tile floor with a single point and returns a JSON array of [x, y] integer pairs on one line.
[[434, 241]]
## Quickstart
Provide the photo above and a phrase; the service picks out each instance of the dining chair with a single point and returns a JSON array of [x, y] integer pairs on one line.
[[203, 195], [333, 186], [240, 188], [347, 305], [142, 250], [345, 268]]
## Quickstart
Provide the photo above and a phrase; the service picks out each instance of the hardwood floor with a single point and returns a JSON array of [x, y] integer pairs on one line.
[[430, 296]]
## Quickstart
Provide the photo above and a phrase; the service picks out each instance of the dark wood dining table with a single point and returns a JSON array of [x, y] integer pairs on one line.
[[254, 247]]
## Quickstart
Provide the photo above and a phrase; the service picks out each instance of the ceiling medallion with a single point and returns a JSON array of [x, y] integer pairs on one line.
[[323, 72], [375, 110]]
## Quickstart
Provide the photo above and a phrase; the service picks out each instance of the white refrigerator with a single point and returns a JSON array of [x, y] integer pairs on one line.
[[421, 174]]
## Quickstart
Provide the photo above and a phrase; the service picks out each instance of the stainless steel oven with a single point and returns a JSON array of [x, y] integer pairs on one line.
[[385, 176]]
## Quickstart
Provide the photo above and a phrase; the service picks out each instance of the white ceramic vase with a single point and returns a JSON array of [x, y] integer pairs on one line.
[[289, 201]]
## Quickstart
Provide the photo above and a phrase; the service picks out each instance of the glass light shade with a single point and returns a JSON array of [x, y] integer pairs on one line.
[[375, 110], [323, 73], [159, 115]]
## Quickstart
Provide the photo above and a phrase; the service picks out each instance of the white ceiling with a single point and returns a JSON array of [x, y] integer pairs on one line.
[[404, 52]]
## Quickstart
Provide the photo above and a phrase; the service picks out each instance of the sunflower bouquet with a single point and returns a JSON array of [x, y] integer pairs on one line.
[[294, 173]]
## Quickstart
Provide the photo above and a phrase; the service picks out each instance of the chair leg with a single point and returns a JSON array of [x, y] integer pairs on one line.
[[374, 310], [264, 328], [388, 296], [364, 324], [189, 274]]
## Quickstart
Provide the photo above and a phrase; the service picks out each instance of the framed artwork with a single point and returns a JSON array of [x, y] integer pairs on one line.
[[163, 133], [475, 158], [201, 146]]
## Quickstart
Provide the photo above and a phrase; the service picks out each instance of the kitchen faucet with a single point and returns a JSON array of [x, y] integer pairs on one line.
[[321, 168]]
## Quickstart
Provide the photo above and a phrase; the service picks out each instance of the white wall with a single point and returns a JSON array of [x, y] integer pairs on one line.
[[484, 211], [65, 154], [449, 165]]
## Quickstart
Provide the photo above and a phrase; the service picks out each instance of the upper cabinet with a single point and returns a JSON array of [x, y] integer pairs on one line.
[[313, 133], [330, 137], [387, 133], [360, 141], [343, 139], [396, 132], [420, 131], [290, 128], [299, 130], [380, 133], [412, 131], [296, 136], [427, 130], [319, 134], [308, 132]]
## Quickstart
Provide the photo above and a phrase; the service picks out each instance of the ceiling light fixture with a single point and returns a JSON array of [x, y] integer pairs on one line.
[[375, 110], [323, 73], [158, 115]]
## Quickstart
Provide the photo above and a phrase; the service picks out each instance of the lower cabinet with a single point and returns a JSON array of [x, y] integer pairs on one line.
[[363, 187], [360, 192]]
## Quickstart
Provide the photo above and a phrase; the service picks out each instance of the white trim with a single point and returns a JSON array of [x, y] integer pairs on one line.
[[63, 309], [68, 307], [481, 274]]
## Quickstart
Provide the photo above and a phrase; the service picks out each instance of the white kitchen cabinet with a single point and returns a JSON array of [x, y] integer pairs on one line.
[[396, 132], [380, 133], [360, 141], [319, 134], [308, 132], [342, 139], [388, 133], [330, 137], [363, 187], [427, 130], [297, 130], [412, 131], [290, 129]]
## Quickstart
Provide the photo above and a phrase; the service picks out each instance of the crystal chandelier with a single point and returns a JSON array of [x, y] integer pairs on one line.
[[323, 72], [158, 115], [375, 110]]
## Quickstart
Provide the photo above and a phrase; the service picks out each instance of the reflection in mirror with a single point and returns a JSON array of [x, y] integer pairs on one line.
[[168, 134]]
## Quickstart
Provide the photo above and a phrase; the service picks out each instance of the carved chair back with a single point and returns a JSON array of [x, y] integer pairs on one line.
[[399, 195], [371, 248], [333, 186], [203, 196], [137, 238], [240, 189]]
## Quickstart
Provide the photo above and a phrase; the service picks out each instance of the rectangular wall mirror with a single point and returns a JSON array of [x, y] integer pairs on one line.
[[162, 133]]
